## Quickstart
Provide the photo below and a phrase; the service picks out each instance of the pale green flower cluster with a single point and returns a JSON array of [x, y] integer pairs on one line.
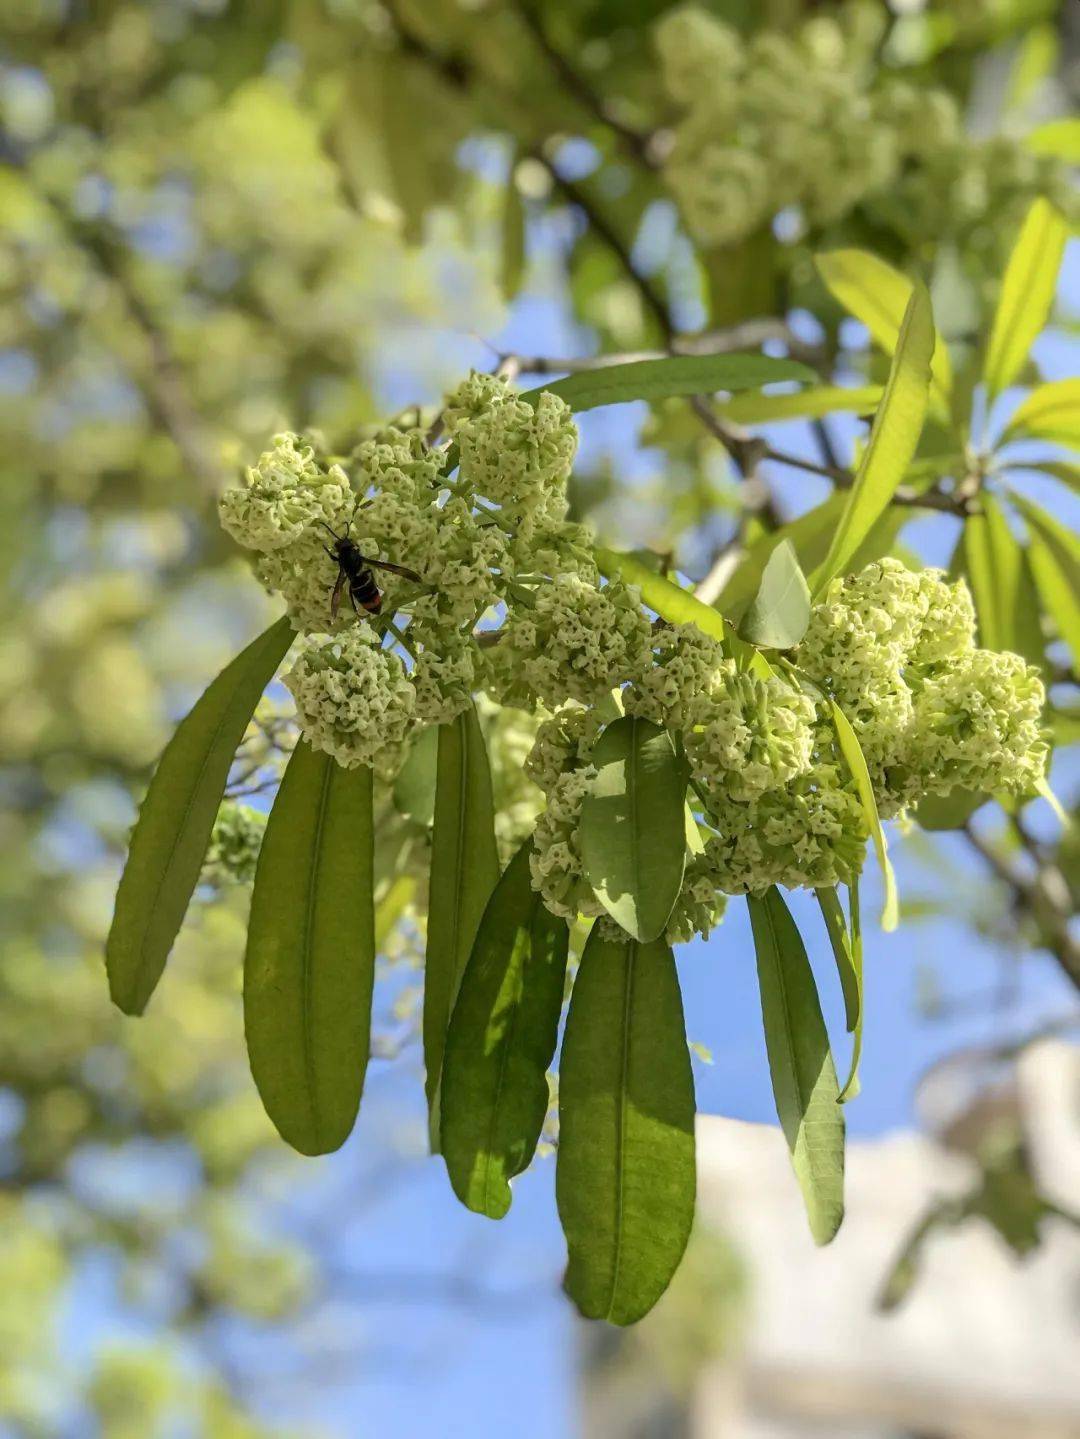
[[354, 699], [896, 649], [286, 494], [510, 606], [805, 121]]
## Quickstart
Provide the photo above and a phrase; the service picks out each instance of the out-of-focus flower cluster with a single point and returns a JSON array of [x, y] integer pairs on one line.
[[805, 122], [510, 606], [235, 842]]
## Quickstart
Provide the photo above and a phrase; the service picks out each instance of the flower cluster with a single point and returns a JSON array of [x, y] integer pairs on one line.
[[506, 603], [780, 805], [896, 649], [804, 122]]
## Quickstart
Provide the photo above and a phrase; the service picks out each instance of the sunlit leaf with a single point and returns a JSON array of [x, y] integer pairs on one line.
[[310, 962], [800, 1062], [810, 535], [464, 871], [1057, 137], [501, 1042], [1051, 412], [879, 296], [996, 568], [856, 763], [1027, 293], [625, 1177], [779, 613], [633, 826], [414, 788], [893, 439], [670, 601], [666, 379], [1054, 552], [937, 812], [810, 404], [170, 838], [847, 948]]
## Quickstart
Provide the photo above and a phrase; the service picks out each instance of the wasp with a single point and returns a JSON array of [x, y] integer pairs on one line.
[[355, 574]]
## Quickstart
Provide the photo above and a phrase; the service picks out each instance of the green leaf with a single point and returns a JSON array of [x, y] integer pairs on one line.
[[812, 404], [893, 438], [851, 749], [1054, 552], [681, 375], [800, 1062], [832, 912], [779, 614], [169, 841], [512, 253], [414, 788], [670, 601], [1027, 293], [1057, 137], [310, 961], [464, 871], [1064, 720], [633, 825], [936, 812], [996, 568], [501, 1042], [810, 535], [1051, 412], [625, 1177], [880, 297], [847, 951]]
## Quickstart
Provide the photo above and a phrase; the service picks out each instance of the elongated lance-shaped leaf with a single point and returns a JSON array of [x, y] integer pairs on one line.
[[997, 572], [893, 438], [679, 606], [310, 962], [501, 1041], [1027, 292], [414, 789], [625, 1176], [633, 825], [170, 839], [811, 404], [800, 1062], [1057, 137], [1051, 412], [780, 611], [847, 950], [855, 760], [670, 601], [679, 375], [512, 255], [464, 871], [1054, 552], [879, 295]]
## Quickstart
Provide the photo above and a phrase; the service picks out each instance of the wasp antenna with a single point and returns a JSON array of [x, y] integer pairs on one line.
[[331, 529]]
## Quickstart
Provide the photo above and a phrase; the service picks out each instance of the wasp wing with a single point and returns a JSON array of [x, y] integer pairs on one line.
[[395, 570]]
